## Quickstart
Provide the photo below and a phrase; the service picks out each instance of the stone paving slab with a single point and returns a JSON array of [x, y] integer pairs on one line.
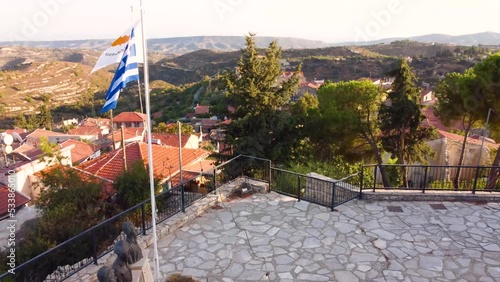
[[362, 241]]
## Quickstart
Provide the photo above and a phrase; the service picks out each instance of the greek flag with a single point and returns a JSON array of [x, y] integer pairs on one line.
[[127, 71]]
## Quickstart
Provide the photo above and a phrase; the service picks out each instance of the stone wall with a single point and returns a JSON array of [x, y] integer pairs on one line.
[[430, 196]]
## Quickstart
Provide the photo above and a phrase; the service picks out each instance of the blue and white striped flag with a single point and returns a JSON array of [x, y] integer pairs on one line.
[[128, 70]]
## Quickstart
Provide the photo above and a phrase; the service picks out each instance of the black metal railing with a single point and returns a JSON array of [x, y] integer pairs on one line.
[[251, 167], [71, 256], [325, 192], [431, 177]]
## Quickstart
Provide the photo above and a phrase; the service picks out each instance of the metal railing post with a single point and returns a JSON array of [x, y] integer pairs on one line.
[[270, 176], [183, 205], [375, 178], [298, 188], [361, 182], [143, 215], [425, 179], [475, 180], [94, 247], [215, 179], [333, 196]]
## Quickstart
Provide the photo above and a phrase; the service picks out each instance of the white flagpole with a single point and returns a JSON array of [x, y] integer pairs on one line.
[[150, 146], [138, 80]]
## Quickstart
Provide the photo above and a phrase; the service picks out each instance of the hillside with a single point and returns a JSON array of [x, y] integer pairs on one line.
[[482, 38], [331, 63], [29, 75], [64, 83], [176, 46]]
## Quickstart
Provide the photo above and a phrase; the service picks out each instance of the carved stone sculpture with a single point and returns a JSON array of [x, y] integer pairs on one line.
[[135, 252], [106, 274], [122, 270]]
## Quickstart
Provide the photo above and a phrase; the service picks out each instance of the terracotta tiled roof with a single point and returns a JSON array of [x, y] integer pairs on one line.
[[81, 151], [38, 133], [128, 132], [20, 131], [4, 195], [205, 166], [202, 110], [433, 120], [16, 130], [460, 138], [165, 160], [106, 185], [186, 175], [225, 122], [190, 115], [85, 130], [95, 122], [171, 139], [157, 115], [209, 122], [130, 117], [29, 151]]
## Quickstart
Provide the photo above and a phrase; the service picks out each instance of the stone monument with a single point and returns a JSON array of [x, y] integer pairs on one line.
[[106, 274], [134, 251], [122, 270]]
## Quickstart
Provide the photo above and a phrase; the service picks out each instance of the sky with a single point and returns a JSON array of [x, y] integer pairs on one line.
[[324, 20]]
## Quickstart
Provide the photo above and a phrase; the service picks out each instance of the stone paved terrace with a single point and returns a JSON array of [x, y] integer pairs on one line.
[[362, 241]]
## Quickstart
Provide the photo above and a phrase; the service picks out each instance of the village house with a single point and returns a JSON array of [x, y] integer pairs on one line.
[[188, 141], [34, 137], [428, 98], [25, 161], [165, 162], [201, 110], [130, 134], [81, 151], [130, 119], [88, 133]]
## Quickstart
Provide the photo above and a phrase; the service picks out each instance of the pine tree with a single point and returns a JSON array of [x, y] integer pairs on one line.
[[259, 126], [400, 118]]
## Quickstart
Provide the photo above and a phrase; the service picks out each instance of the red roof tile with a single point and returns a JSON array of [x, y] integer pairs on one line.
[[4, 195], [202, 110], [433, 120], [106, 185], [165, 160], [205, 166], [81, 151], [128, 132], [29, 151], [38, 133], [460, 138], [157, 115], [186, 175], [130, 117], [95, 122], [170, 139], [85, 130]]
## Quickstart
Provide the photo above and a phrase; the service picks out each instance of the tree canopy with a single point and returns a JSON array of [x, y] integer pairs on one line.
[[351, 109], [261, 125], [400, 119]]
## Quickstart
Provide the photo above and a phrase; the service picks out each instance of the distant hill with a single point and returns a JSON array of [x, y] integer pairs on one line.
[[179, 45], [483, 38]]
